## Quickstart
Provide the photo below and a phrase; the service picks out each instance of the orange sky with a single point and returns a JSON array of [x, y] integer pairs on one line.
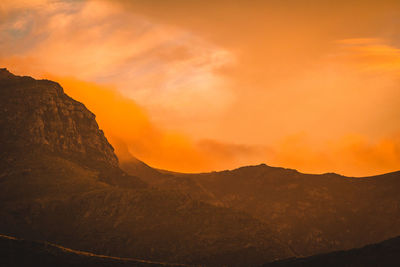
[[210, 85]]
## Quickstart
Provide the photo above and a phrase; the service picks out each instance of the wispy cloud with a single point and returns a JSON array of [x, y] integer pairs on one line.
[[125, 123], [162, 67], [246, 86]]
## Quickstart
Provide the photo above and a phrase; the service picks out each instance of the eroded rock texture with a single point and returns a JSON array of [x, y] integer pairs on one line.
[[37, 114]]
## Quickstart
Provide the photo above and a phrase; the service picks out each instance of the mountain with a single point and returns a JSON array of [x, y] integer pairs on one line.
[[39, 114], [15, 252], [60, 182], [37, 117], [385, 254], [311, 213]]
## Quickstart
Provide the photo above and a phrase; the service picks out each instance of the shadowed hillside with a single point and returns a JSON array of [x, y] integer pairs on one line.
[[382, 254], [18, 252], [311, 213]]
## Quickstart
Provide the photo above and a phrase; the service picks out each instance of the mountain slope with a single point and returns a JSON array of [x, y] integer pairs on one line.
[[60, 182], [16, 252], [311, 213], [385, 253]]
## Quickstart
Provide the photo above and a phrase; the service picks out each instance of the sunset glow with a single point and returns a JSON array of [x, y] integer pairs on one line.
[[195, 87]]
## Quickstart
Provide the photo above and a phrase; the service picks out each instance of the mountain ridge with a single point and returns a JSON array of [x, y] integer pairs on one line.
[[312, 213]]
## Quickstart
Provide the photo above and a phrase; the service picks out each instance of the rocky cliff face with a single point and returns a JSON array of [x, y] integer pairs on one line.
[[37, 114]]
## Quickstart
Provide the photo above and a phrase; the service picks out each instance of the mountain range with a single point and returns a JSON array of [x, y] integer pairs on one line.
[[310, 213], [61, 182]]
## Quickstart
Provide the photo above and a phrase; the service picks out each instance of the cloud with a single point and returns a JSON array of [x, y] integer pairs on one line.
[[370, 55], [125, 123], [197, 94], [352, 155], [164, 68]]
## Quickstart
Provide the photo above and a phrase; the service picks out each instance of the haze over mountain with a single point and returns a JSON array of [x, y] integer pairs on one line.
[[302, 84]]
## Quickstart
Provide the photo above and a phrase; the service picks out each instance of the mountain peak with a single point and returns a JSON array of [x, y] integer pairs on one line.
[[37, 114], [5, 74]]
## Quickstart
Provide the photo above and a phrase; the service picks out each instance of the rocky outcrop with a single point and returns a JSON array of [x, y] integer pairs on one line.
[[37, 114]]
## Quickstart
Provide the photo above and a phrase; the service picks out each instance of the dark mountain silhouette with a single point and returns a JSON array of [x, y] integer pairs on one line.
[[15, 252], [386, 253], [311, 213], [60, 182]]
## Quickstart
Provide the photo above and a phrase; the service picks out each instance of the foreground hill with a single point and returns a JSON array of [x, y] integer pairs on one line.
[[16, 252], [60, 182], [386, 254], [311, 213]]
